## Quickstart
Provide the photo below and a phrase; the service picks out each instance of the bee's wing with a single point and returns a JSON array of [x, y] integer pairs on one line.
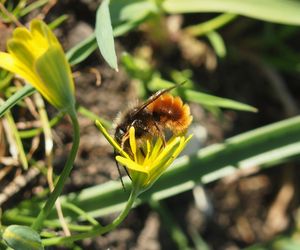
[[156, 96]]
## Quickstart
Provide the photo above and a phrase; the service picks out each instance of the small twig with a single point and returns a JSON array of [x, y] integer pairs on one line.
[[34, 146], [97, 75], [28, 124], [9, 161], [5, 170], [10, 16], [46, 9], [17, 184], [277, 218]]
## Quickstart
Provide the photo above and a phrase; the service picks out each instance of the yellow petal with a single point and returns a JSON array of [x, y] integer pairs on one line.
[[111, 140], [132, 142], [131, 165], [22, 34], [39, 34], [21, 53], [160, 167], [170, 145], [9, 63], [54, 72]]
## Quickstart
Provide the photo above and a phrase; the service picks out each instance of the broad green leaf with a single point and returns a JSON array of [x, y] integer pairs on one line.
[[22, 238], [277, 11], [283, 242], [263, 147], [104, 35]]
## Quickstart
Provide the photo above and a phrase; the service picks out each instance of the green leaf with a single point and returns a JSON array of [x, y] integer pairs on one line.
[[201, 98], [263, 147], [15, 98], [22, 238], [5, 78], [58, 21], [32, 6], [217, 43], [128, 14], [82, 50], [282, 242], [215, 101], [277, 11], [104, 35], [260, 148]]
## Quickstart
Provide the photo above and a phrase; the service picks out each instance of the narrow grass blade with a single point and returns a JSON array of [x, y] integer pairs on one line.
[[217, 43], [82, 50], [34, 5], [14, 99], [202, 98]]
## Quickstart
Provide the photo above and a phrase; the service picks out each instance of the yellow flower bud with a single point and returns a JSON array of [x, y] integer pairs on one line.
[[37, 56]]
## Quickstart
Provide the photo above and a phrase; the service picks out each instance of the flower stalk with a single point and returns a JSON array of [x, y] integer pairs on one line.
[[37, 224], [97, 230]]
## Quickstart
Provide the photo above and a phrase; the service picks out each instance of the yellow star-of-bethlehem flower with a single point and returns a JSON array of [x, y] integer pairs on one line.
[[145, 165], [37, 56]]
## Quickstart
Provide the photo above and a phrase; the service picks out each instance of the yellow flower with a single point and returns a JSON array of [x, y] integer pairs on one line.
[[37, 56], [145, 165]]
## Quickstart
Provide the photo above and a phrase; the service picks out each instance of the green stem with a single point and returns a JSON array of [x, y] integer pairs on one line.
[[15, 218], [97, 230], [213, 24], [37, 224]]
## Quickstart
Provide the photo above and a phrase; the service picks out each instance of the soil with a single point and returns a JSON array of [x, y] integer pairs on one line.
[[239, 209]]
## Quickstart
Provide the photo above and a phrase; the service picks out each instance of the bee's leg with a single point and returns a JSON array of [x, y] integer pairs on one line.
[[126, 170], [119, 170], [161, 133]]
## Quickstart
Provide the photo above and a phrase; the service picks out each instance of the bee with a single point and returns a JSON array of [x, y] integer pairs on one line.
[[160, 113]]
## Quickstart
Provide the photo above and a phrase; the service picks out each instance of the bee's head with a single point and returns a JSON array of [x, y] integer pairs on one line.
[[120, 133]]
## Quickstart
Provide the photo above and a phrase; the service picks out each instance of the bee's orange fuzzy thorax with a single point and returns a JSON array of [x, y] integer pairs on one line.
[[171, 112]]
